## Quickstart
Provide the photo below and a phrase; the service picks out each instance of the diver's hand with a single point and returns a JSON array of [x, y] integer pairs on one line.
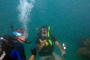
[[63, 52], [33, 51], [42, 42]]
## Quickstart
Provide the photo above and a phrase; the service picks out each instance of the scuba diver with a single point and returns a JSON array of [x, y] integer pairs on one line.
[[11, 47], [45, 46]]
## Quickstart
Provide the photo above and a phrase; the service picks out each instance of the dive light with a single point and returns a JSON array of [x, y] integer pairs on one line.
[[64, 46]]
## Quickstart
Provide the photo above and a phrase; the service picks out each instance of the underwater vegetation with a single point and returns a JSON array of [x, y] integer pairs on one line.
[[84, 52]]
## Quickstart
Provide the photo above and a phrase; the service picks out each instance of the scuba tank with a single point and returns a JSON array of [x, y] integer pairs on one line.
[[0, 46], [2, 53]]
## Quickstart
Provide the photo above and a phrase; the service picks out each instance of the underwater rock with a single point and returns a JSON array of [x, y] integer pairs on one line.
[[87, 42], [61, 58], [84, 52]]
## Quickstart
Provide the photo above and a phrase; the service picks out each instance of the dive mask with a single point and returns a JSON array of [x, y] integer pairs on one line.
[[18, 34]]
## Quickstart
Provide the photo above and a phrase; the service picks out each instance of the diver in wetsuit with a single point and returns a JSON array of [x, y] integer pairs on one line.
[[13, 48], [45, 46]]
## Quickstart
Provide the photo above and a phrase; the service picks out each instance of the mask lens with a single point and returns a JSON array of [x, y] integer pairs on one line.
[[17, 34]]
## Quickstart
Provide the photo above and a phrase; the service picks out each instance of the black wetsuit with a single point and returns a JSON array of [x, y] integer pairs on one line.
[[13, 44], [46, 50], [5, 47], [20, 48]]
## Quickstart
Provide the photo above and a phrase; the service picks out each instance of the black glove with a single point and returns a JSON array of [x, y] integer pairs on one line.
[[33, 51]]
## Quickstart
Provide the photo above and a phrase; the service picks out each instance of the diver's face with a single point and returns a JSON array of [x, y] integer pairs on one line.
[[44, 32], [23, 37]]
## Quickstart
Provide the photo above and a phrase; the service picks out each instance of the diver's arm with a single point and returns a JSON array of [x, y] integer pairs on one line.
[[58, 44], [33, 54], [32, 57], [60, 47]]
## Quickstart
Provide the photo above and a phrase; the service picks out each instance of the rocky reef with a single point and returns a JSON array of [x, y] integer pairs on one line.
[[84, 52]]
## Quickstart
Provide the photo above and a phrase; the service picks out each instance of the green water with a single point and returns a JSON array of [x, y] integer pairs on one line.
[[69, 21]]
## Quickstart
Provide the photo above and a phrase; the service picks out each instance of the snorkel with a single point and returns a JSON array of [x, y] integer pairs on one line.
[[11, 26], [48, 31], [49, 36]]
